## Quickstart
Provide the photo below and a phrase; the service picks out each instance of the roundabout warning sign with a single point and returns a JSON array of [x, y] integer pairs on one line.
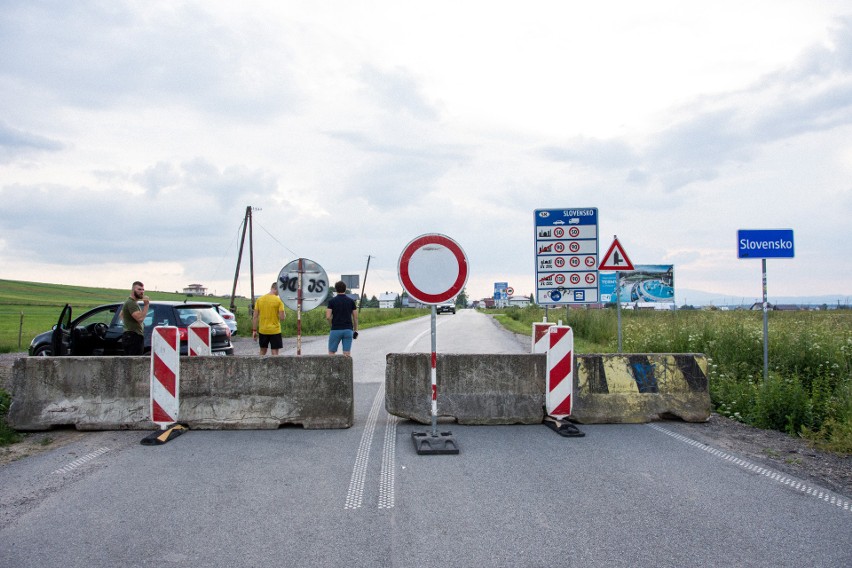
[[433, 268]]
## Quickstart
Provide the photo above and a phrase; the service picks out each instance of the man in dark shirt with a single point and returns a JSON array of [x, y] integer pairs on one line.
[[133, 339], [342, 314]]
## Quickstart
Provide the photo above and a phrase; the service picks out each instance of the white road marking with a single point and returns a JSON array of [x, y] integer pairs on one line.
[[386, 481], [826, 496], [355, 495], [81, 461]]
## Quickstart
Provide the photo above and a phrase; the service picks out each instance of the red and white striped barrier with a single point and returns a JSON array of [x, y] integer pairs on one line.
[[165, 375], [540, 337], [560, 371], [198, 339]]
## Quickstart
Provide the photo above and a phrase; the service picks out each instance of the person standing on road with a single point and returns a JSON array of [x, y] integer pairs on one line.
[[133, 338], [342, 314], [266, 321]]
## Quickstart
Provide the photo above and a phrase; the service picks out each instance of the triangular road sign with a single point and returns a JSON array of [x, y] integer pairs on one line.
[[615, 258]]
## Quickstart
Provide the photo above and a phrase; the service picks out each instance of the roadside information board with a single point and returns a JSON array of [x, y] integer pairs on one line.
[[566, 256]]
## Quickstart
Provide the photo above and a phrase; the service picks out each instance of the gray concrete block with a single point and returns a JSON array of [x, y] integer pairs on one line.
[[473, 389], [510, 389], [113, 393]]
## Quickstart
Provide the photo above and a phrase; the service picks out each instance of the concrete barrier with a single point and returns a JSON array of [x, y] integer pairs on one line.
[[473, 389], [638, 388], [509, 389], [113, 393]]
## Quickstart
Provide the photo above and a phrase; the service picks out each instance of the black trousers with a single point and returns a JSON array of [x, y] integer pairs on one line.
[[133, 343]]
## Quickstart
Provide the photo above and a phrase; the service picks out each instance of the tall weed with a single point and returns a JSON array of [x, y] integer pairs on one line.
[[809, 388]]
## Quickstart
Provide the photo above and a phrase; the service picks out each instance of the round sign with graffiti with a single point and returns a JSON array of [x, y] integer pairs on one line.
[[314, 284]]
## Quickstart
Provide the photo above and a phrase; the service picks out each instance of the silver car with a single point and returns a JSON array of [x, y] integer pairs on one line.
[[229, 318]]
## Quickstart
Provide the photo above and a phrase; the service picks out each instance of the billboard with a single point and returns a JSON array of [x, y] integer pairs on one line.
[[352, 281], [648, 284]]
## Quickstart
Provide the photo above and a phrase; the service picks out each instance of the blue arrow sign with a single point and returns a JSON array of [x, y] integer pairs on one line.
[[765, 243]]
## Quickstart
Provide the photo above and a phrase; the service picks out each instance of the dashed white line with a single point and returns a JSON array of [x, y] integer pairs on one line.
[[355, 494], [81, 461], [826, 496], [386, 481]]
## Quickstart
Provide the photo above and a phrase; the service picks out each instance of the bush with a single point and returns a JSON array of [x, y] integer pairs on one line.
[[7, 434]]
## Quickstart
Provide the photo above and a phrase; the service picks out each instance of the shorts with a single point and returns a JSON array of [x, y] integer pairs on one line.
[[338, 335], [132, 343], [273, 340]]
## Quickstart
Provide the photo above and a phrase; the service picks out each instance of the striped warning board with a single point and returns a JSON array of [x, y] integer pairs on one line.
[[198, 339], [618, 388], [540, 337], [165, 375], [560, 371]]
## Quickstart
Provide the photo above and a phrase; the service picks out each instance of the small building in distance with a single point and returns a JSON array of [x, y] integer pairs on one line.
[[388, 299], [195, 290]]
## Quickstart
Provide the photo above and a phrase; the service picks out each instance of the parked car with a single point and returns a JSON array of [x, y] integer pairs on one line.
[[98, 331], [229, 317], [446, 307]]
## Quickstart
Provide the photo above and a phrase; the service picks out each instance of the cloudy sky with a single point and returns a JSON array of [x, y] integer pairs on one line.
[[133, 135]]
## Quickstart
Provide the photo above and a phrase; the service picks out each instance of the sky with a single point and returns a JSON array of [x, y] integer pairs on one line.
[[134, 135]]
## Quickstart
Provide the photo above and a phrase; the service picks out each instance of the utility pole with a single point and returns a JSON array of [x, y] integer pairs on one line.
[[247, 225], [364, 287]]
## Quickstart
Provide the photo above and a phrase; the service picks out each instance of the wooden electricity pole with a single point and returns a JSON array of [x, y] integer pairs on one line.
[[247, 225]]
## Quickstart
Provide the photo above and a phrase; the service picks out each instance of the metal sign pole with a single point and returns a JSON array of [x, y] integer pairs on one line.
[[434, 372], [299, 309], [427, 264], [765, 326], [618, 306]]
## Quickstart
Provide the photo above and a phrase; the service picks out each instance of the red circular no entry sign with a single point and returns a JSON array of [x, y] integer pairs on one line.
[[433, 268]]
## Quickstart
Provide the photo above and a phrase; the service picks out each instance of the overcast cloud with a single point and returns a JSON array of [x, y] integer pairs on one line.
[[133, 135]]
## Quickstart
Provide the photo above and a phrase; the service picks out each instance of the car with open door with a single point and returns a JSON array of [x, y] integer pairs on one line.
[[98, 331]]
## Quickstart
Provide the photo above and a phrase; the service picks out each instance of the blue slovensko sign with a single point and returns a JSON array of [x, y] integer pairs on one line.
[[765, 243]]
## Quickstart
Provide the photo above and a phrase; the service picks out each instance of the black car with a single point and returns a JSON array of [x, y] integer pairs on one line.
[[446, 307], [98, 331]]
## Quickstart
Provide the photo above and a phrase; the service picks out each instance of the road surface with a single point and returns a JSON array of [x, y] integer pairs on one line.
[[515, 496]]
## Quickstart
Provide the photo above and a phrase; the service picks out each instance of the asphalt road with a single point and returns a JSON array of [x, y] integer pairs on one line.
[[515, 496]]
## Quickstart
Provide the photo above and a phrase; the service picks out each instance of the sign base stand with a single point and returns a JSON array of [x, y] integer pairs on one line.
[[434, 443], [170, 432]]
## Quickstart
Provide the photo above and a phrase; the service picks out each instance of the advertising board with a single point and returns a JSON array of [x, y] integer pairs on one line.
[[646, 284]]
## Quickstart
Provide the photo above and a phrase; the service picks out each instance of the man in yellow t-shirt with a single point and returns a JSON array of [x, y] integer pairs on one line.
[[266, 321]]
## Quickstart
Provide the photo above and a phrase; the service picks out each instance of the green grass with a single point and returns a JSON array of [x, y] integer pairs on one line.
[[809, 389], [30, 308]]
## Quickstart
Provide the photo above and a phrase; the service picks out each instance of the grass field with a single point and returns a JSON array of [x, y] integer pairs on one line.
[[808, 392], [809, 388], [29, 308]]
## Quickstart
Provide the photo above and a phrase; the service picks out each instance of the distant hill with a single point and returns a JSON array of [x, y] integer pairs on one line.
[[701, 298]]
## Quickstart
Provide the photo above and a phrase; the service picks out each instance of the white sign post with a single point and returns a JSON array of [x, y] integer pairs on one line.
[[433, 269]]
